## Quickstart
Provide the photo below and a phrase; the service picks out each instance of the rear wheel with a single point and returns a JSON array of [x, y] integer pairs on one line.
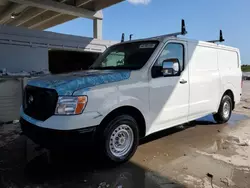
[[120, 139], [225, 110]]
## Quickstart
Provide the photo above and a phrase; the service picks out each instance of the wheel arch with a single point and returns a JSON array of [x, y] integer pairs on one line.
[[129, 110], [219, 116], [230, 93]]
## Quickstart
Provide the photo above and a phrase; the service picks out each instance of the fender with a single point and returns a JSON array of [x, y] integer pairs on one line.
[[227, 86], [143, 107], [104, 100]]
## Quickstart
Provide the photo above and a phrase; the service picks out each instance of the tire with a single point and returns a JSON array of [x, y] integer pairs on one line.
[[118, 130], [225, 110]]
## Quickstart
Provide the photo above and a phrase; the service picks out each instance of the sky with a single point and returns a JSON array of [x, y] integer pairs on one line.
[[146, 18]]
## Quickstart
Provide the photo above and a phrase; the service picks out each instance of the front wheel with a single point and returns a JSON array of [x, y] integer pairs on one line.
[[225, 110], [120, 139]]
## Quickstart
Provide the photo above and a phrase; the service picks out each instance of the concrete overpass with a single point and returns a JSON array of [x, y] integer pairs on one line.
[[43, 14]]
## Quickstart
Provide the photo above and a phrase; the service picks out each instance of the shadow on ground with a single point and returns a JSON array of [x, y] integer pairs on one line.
[[21, 166]]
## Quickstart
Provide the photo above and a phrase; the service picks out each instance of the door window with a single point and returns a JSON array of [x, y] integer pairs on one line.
[[172, 50]]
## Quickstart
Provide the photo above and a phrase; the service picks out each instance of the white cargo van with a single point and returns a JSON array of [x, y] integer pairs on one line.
[[134, 89]]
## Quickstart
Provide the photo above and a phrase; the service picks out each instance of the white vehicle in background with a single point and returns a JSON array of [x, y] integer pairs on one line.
[[134, 89]]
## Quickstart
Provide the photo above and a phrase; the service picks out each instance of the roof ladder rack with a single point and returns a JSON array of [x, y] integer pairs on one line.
[[182, 32], [221, 39], [130, 36], [123, 37]]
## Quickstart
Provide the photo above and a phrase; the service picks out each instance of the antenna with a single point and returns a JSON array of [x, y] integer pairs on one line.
[[123, 36], [221, 39], [182, 32], [130, 36]]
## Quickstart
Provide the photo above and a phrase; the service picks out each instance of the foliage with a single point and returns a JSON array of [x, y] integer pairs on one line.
[[245, 68]]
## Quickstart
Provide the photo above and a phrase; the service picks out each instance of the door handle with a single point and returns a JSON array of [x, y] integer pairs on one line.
[[183, 81]]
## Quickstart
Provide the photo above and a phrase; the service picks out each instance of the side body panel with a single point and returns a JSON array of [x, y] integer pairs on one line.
[[204, 80], [230, 72]]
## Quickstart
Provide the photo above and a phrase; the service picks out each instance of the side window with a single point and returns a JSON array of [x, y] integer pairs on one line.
[[172, 50]]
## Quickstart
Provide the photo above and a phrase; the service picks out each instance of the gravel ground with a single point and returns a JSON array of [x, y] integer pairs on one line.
[[200, 154]]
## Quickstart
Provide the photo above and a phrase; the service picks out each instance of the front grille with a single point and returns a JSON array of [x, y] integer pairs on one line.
[[39, 103]]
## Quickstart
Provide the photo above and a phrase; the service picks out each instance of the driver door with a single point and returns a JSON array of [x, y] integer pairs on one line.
[[169, 96]]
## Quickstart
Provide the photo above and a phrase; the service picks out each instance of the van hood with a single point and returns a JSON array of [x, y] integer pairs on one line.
[[66, 84]]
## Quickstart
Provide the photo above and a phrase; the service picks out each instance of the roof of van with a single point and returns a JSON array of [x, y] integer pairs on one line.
[[164, 38]]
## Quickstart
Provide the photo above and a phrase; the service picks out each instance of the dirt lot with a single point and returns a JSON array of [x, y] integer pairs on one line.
[[200, 154]]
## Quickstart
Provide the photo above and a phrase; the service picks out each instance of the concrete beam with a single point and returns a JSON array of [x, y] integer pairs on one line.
[[41, 19], [80, 3], [97, 28], [29, 15], [55, 21], [61, 8], [46, 18], [103, 4], [10, 9]]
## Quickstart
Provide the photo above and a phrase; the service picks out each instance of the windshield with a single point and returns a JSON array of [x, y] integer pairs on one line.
[[132, 56]]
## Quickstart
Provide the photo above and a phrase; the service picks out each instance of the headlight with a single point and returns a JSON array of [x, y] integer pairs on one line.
[[71, 105]]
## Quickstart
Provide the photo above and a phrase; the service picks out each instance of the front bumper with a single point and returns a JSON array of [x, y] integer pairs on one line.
[[58, 139], [67, 122]]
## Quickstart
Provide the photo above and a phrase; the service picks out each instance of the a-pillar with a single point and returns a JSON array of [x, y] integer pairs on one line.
[[97, 28]]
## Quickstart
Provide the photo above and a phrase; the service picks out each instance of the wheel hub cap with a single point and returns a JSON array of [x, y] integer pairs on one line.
[[121, 140], [226, 109]]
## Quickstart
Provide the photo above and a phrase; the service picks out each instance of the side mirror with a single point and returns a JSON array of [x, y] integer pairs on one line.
[[170, 67]]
